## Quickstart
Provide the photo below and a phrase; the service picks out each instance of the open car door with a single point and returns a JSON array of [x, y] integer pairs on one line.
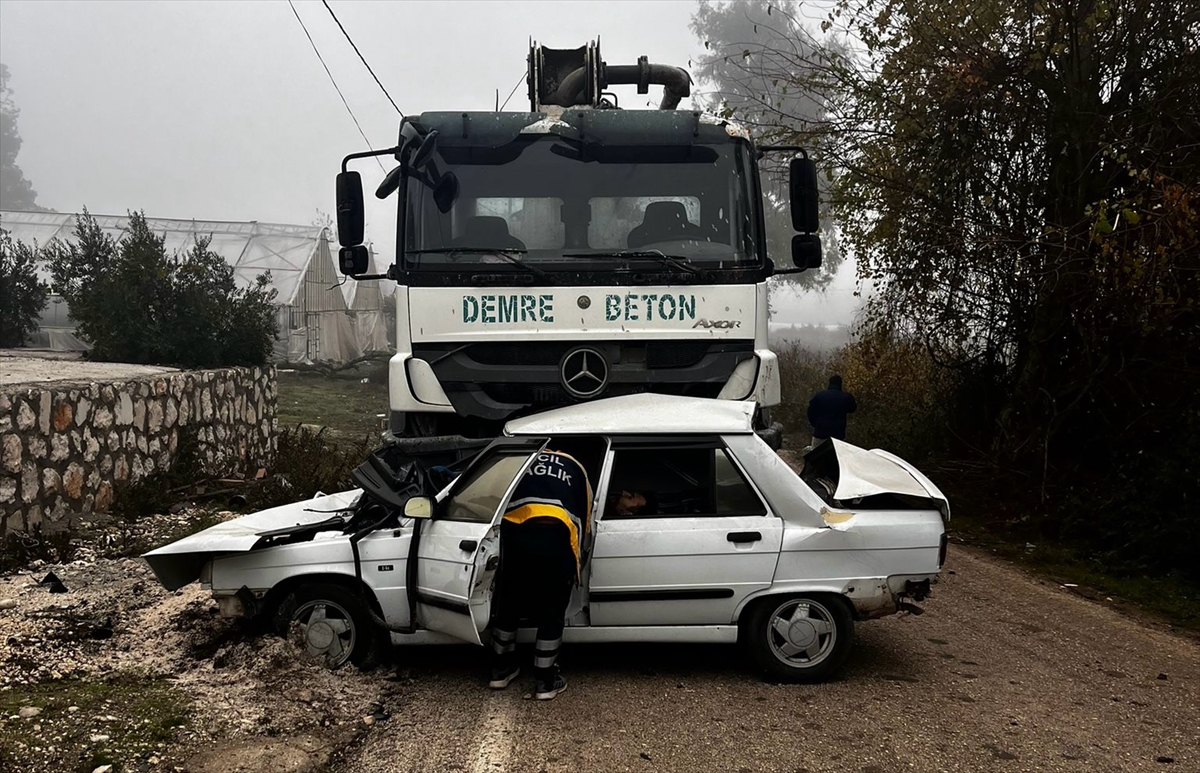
[[459, 550]]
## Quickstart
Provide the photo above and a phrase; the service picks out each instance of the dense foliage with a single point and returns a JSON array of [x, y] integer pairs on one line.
[[1020, 181], [22, 294], [135, 303]]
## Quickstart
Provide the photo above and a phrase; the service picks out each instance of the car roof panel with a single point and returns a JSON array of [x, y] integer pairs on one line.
[[641, 414]]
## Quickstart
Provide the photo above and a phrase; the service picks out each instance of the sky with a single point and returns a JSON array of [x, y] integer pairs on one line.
[[220, 110]]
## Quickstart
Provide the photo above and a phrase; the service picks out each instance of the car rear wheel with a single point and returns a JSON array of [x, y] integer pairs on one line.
[[333, 625], [799, 638]]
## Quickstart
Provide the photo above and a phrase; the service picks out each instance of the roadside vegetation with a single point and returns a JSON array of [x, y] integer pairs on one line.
[[22, 294], [1018, 182], [103, 721], [134, 302]]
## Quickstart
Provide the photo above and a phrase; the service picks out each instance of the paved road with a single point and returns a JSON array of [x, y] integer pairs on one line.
[[1003, 673]]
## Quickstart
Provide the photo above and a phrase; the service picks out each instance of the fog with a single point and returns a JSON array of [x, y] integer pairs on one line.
[[221, 110]]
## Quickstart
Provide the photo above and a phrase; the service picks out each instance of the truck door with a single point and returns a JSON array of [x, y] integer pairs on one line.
[[459, 550]]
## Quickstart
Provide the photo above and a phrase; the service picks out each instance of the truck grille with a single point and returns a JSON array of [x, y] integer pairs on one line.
[[656, 354]]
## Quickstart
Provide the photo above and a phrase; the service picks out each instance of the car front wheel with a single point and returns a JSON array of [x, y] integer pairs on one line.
[[799, 638], [332, 625]]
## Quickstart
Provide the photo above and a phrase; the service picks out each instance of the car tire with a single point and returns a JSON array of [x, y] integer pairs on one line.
[[800, 638], [334, 625]]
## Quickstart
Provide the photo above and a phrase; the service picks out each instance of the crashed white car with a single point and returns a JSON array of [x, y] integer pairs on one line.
[[738, 548]]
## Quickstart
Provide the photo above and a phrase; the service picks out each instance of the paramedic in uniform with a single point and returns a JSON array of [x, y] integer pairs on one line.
[[543, 530]]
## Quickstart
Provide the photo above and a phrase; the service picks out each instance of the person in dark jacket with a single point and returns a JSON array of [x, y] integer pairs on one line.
[[827, 411], [541, 537]]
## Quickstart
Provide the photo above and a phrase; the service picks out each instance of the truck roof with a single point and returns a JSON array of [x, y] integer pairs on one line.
[[642, 414], [617, 127]]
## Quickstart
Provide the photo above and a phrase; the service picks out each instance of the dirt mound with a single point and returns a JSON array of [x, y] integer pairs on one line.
[[118, 670]]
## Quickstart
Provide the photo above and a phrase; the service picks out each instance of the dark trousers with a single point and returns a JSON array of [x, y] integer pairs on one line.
[[537, 573]]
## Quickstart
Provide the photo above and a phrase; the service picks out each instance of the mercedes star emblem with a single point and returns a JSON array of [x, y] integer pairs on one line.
[[584, 373]]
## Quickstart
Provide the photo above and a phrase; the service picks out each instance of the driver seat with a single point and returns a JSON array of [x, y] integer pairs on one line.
[[487, 231], [664, 221]]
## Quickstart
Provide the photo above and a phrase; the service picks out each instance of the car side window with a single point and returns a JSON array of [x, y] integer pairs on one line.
[[477, 499], [685, 481]]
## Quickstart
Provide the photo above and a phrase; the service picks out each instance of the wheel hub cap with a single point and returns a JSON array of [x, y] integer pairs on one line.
[[802, 633], [320, 635]]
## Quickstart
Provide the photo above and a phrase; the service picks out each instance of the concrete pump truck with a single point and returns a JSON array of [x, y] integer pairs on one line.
[[576, 251]]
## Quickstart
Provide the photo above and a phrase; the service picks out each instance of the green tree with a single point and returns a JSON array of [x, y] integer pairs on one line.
[[1020, 182], [22, 294], [135, 303], [16, 192]]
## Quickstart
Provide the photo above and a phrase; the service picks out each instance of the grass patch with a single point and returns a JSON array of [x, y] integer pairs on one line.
[[347, 407], [136, 713], [308, 461]]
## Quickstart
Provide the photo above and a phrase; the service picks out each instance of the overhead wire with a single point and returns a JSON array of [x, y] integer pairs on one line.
[[334, 82], [361, 57], [514, 90]]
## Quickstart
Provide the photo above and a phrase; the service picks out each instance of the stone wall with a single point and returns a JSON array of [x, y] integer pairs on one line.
[[66, 447]]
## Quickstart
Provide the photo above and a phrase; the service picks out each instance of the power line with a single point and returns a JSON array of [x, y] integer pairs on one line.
[[514, 91], [334, 82], [360, 56]]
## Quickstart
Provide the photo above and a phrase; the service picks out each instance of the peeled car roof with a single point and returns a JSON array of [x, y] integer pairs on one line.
[[642, 414]]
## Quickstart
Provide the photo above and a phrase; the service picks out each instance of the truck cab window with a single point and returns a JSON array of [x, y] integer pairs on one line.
[[535, 222], [550, 197]]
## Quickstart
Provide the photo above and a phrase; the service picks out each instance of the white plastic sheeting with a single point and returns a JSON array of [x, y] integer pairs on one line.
[[321, 317]]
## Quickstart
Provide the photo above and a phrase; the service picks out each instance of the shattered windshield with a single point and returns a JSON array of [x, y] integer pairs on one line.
[[554, 203]]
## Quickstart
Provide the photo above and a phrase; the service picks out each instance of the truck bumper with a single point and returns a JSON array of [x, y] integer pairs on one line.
[[477, 384]]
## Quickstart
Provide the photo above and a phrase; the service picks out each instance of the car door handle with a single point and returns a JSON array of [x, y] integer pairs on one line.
[[468, 545], [738, 537]]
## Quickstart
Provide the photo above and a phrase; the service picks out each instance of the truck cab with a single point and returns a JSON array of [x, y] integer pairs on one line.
[[576, 251]]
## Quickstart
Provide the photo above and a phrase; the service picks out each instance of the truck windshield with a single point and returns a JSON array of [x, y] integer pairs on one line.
[[553, 201]]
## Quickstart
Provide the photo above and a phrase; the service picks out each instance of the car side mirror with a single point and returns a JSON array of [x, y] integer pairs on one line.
[[802, 183], [351, 216], [806, 251], [419, 507]]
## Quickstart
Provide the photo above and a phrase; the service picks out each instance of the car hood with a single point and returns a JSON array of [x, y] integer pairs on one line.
[[863, 473], [180, 562]]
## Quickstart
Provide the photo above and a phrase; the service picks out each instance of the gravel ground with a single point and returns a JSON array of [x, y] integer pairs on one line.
[[1003, 673], [24, 367]]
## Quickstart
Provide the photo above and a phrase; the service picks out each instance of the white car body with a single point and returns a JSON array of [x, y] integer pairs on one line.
[[684, 577]]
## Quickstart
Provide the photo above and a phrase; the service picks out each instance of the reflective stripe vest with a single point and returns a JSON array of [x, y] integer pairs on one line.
[[555, 486]]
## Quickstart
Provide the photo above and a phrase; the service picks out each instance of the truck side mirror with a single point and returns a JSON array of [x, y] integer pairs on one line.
[[806, 251], [354, 260], [351, 216], [389, 185], [803, 185]]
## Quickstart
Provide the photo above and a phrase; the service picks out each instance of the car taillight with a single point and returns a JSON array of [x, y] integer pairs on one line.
[[942, 550]]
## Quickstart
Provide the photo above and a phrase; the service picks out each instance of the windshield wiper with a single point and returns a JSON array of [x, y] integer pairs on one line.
[[509, 255], [676, 262]]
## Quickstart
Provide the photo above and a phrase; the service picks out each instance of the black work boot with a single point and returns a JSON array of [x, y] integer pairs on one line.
[[549, 683], [503, 673]]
